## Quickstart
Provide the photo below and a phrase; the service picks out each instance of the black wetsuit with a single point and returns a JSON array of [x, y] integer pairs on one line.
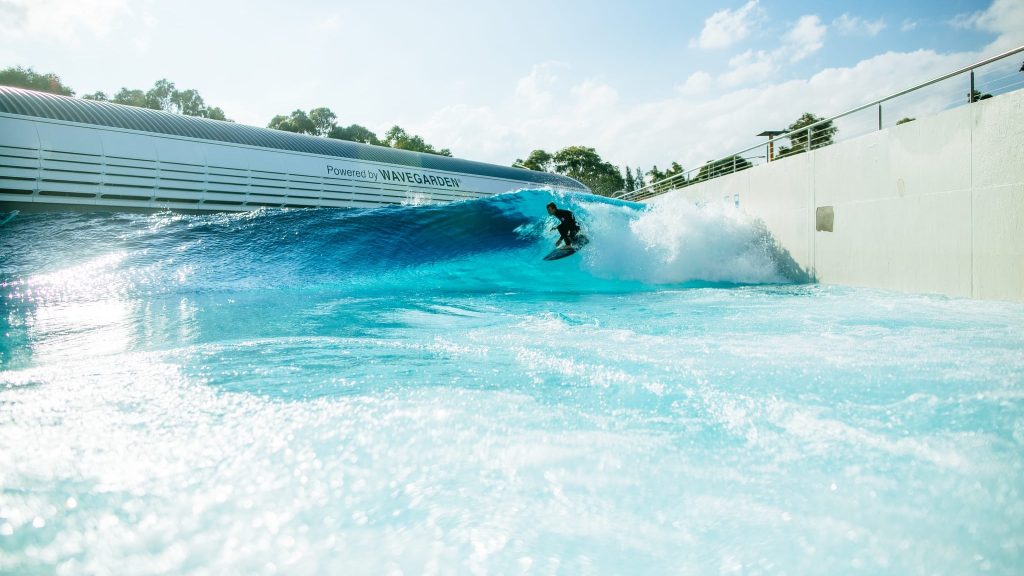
[[568, 229]]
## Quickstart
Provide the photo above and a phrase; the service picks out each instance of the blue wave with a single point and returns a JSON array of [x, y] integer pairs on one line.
[[489, 244]]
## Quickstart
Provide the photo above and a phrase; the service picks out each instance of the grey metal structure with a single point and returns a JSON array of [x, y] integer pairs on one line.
[[63, 150]]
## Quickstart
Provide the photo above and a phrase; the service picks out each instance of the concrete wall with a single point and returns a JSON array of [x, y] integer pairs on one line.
[[934, 205]]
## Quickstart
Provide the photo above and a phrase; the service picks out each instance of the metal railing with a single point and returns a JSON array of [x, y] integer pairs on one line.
[[982, 84]]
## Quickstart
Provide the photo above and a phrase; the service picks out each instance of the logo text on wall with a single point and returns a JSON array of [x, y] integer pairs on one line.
[[395, 176]]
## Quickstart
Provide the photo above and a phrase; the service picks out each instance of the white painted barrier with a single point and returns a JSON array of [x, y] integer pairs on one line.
[[933, 205]]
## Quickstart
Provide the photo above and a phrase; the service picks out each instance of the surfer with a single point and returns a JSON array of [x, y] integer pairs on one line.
[[567, 227]]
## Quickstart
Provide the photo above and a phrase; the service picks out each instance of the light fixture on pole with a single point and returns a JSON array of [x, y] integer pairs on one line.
[[771, 134]]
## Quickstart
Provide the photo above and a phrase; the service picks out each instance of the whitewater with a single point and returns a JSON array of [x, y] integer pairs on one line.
[[413, 390]]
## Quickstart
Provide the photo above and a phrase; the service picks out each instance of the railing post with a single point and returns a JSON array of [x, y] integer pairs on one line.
[[808, 138], [879, 116], [970, 95], [733, 164]]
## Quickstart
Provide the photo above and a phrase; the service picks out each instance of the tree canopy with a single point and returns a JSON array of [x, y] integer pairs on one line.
[[586, 165], [355, 133], [821, 135], [538, 160], [722, 167], [164, 95], [396, 137], [581, 163], [29, 79], [323, 122], [298, 121]]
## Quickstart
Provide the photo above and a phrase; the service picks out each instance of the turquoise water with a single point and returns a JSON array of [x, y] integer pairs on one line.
[[412, 390]]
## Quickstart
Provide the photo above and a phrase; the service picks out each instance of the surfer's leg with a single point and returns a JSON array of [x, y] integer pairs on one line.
[[563, 234]]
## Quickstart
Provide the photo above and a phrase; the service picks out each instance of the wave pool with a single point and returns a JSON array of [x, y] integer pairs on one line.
[[412, 390]]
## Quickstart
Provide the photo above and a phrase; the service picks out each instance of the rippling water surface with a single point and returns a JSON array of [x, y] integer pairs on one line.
[[413, 390]]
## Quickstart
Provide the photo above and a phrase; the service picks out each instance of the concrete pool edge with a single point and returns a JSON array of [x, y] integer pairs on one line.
[[935, 205]]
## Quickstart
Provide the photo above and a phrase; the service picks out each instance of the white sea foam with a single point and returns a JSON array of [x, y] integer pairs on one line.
[[676, 241]]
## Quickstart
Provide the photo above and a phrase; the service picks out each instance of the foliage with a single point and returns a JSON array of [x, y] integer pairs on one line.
[[584, 164], [904, 120], [323, 122], [722, 167], [977, 95], [355, 133], [538, 160], [821, 135], [396, 137], [581, 163], [165, 96], [630, 181], [298, 121], [28, 78], [674, 169]]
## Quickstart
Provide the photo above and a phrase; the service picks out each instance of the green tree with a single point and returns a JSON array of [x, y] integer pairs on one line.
[[722, 167], [630, 182], [977, 95], [655, 174], [162, 96], [28, 78], [298, 121], [165, 96], [673, 170], [821, 135], [136, 98], [323, 121], [215, 113], [639, 178], [538, 160], [398, 138], [586, 165], [355, 133], [187, 102]]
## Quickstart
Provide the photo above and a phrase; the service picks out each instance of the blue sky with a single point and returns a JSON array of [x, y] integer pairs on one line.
[[643, 82]]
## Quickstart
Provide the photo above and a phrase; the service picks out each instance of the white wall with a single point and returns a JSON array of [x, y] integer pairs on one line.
[[934, 205], [51, 162]]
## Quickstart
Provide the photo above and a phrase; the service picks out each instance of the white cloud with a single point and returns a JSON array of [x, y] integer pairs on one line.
[[696, 84], [727, 27], [63, 20], [594, 97], [856, 26], [534, 89], [1004, 18], [710, 115], [752, 67], [908, 25], [749, 67], [805, 38], [689, 126]]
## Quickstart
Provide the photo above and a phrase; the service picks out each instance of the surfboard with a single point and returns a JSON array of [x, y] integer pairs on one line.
[[559, 253]]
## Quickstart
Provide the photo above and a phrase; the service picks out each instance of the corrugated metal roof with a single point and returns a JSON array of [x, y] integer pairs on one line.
[[44, 105]]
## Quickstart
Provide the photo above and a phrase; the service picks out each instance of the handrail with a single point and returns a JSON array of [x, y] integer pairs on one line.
[[650, 190]]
